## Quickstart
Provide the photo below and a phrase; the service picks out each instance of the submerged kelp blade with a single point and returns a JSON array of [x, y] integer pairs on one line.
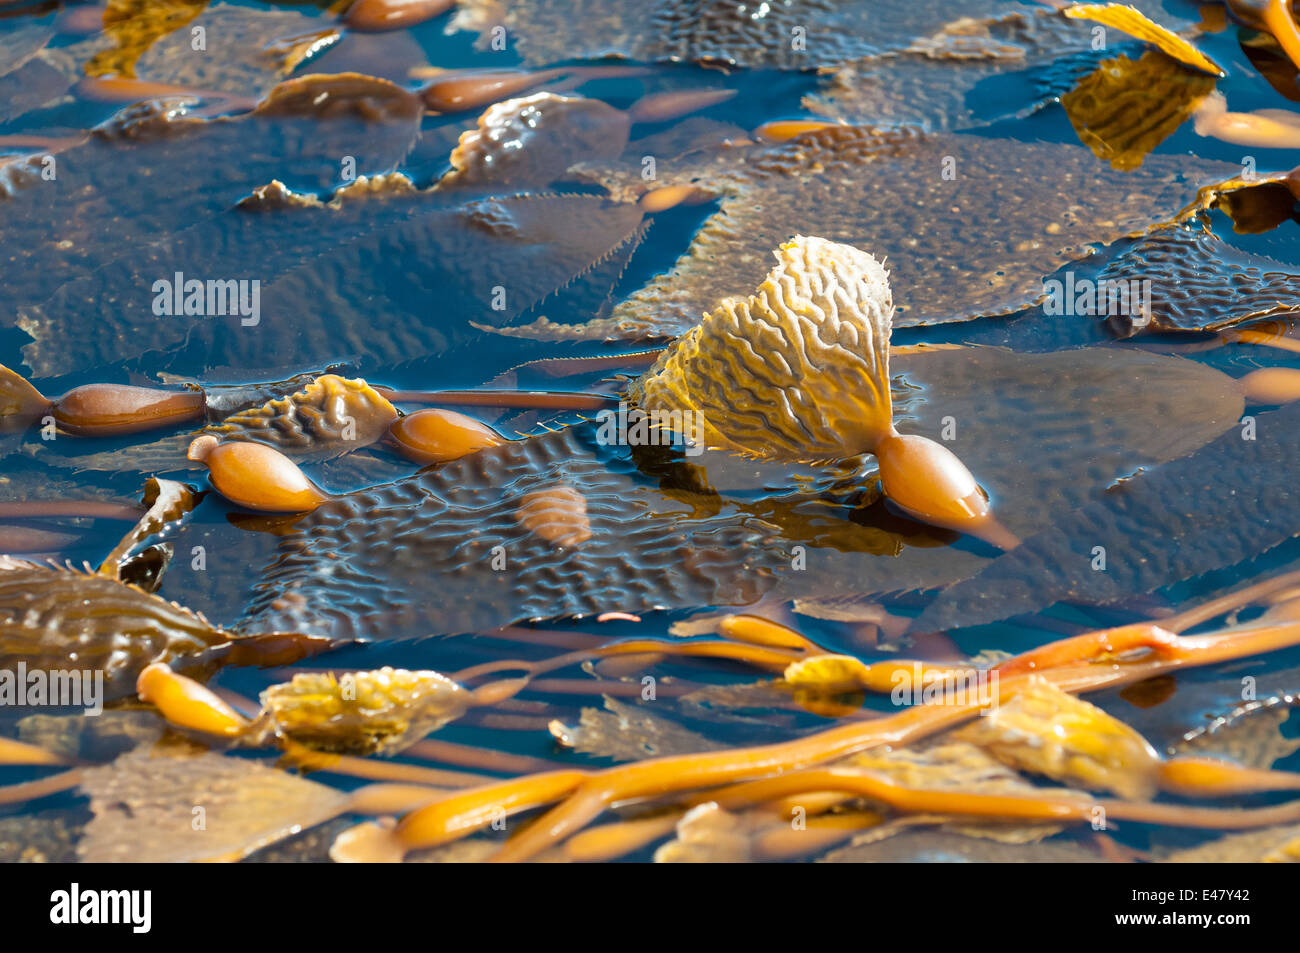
[[244, 51], [51, 616], [460, 525], [361, 566], [933, 81], [626, 732], [965, 226], [119, 197], [1199, 283], [803, 34], [369, 297], [1125, 108], [1226, 503], [144, 806]]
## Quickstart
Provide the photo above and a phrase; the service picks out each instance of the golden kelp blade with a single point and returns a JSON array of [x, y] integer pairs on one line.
[[1048, 731], [144, 807], [1125, 108], [381, 711], [1135, 24], [797, 371], [330, 416]]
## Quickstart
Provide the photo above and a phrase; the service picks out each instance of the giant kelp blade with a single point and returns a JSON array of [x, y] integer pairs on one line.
[[219, 47], [390, 277], [1231, 500], [797, 34], [1126, 107], [935, 82], [363, 566], [48, 614], [144, 806], [967, 226], [150, 173], [1199, 283]]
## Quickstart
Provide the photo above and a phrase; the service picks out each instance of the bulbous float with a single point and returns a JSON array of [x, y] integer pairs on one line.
[[186, 703], [379, 15], [104, 410], [1271, 385], [256, 476], [462, 91], [799, 372], [440, 436], [96, 410], [927, 481]]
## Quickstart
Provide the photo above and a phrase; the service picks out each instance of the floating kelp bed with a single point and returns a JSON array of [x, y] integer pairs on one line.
[[602, 431]]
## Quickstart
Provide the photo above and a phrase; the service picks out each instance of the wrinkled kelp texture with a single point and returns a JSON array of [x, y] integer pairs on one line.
[[966, 226], [360, 566]]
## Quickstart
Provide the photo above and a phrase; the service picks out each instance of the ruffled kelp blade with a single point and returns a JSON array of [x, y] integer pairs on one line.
[[799, 370], [360, 566]]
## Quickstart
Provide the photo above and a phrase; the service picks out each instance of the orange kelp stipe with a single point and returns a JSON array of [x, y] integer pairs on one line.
[[926, 480], [256, 476], [1280, 22], [104, 410], [379, 15], [589, 793], [187, 704], [440, 436]]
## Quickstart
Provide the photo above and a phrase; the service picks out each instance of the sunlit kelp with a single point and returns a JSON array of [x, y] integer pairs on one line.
[[1217, 507], [658, 539], [244, 51], [967, 228]]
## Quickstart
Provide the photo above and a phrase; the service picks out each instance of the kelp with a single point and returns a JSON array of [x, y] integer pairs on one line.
[[122, 198], [658, 538], [932, 81], [382, 711], [243, 50], [341, 257], [799, 35], [942, 210], [628, 733], [1200, 283], [144, 807], [1237, 486]]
